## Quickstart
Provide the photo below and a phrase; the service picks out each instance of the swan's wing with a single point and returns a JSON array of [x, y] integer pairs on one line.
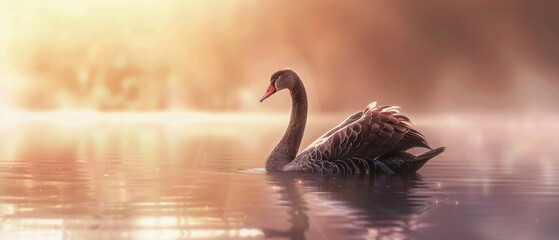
[[367, 134], [352, 118], [346, 122]]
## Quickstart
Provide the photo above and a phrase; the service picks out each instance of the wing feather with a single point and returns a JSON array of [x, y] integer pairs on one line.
[[366, 134]]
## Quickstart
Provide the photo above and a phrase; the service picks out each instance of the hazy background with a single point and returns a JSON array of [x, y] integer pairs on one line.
[[436, 56]]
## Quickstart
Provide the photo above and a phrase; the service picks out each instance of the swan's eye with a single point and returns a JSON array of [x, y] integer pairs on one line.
[[273, 81]]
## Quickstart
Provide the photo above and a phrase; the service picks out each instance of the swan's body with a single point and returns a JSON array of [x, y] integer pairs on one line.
[[374, 140]]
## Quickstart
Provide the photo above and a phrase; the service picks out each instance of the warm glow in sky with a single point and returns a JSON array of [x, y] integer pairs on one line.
[[125, 55]]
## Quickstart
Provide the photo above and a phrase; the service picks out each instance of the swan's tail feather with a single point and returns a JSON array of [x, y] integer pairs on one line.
[[421, 159]]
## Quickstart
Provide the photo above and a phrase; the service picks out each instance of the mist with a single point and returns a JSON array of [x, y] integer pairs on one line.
[[436, 56]]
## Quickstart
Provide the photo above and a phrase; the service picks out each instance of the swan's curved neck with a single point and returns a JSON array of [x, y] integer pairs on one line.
[[287, 148]]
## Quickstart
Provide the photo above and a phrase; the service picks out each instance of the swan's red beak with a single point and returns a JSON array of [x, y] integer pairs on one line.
[[271, 90]]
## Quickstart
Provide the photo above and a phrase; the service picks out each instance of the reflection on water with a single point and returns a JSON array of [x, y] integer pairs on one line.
[[349, 207], [201, 180]]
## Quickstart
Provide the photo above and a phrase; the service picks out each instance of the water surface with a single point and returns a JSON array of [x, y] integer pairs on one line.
[[115, 179]]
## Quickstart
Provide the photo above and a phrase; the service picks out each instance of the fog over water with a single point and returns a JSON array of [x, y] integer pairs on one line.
[[436, 56]]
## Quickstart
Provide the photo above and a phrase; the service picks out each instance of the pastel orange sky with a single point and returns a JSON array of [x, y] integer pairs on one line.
[[441, 56]]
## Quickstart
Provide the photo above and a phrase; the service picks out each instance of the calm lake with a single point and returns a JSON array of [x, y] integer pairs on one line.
[[201, 177]]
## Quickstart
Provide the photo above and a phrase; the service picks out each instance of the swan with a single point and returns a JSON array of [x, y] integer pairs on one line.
[[371, 141]]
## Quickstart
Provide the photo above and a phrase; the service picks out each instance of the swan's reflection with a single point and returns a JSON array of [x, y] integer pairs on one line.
[[349, 207]]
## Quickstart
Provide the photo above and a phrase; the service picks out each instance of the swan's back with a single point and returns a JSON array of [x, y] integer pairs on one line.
[[361, 142]]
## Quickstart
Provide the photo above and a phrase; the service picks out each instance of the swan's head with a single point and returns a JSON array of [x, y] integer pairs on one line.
[[282, 79]]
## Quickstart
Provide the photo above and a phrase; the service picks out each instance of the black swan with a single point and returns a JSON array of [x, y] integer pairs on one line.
[[374, 140]]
